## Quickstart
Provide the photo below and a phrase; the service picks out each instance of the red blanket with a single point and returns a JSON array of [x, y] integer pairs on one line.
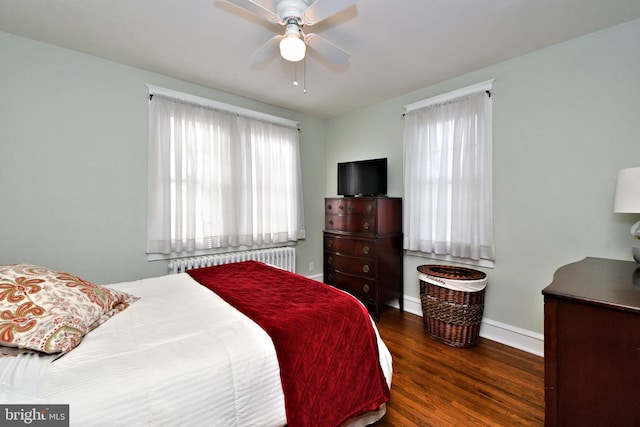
[[324, 340]]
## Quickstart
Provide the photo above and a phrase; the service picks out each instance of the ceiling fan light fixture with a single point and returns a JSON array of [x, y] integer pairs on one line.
[[292, 48], [293, 15]]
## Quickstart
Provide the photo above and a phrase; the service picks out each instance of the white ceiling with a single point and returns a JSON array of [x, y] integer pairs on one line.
[[396, 46]]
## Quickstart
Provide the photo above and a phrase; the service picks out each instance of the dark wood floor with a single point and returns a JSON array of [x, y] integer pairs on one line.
[[438, 385]]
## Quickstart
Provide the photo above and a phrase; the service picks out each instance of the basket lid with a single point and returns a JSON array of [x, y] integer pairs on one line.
[[451, 272], [454, 278]]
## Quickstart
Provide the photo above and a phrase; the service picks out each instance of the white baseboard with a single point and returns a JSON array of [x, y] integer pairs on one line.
[[522, 339], [519, 338], [318, 277]]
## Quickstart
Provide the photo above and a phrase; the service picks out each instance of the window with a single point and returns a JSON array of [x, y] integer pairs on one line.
[[447, 176], [219, 179]]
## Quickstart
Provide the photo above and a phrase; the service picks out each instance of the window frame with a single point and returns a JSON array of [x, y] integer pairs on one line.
[[486, 86], [245, 114]]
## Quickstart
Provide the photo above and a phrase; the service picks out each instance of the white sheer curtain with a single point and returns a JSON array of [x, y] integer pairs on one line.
[[448, 178], [218, 180]]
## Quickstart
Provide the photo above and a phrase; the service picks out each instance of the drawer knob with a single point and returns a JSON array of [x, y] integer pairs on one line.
[[365, 288], [350, 209], [330, 243], [369, 208], [329, 207], [366, 226], [330, 260], [341, 207], [330, 222], [365, 268], [365, 250]]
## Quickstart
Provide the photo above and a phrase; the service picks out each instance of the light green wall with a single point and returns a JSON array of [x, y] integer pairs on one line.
[[565, 120], [73, 162]]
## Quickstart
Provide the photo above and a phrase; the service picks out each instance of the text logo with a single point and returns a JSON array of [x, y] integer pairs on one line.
[[34, 415]]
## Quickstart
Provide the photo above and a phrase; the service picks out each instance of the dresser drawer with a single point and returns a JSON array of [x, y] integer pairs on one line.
[[357, 266], [350, 246], [351, 223], [361, 287], [350, 206]]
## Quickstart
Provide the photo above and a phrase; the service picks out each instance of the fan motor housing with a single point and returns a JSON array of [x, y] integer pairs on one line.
[[290, 8]]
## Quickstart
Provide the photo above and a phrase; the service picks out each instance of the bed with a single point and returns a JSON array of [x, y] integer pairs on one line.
[[177, 351]]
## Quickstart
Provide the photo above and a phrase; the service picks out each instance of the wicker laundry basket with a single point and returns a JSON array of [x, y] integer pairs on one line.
[[452, 303]]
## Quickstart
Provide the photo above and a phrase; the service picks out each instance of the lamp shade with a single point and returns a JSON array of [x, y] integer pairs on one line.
[[628, 191]]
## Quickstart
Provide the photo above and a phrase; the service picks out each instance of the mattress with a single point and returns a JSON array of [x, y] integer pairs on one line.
[[178, 356]]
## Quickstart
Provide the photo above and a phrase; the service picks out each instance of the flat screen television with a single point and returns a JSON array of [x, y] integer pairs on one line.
[[362, 178]]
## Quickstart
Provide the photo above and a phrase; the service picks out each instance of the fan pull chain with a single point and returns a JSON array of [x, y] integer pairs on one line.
[[304, 75]]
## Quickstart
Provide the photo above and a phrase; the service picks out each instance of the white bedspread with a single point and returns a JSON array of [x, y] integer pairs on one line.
[[178, 356]]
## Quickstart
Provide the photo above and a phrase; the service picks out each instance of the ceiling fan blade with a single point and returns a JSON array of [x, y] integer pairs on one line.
[[267, 50], [326, 48], [257, 9], [322, 9]]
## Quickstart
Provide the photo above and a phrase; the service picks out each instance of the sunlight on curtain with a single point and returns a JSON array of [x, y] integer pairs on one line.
[[448, 178], [218, 179]]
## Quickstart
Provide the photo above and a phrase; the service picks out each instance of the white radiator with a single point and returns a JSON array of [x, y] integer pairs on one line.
[[284, 258]]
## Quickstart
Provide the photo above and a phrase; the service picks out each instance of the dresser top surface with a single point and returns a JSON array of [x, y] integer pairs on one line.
[[598, 281]]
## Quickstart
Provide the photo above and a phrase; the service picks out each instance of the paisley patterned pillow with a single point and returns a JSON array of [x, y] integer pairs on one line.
[[51, 311]]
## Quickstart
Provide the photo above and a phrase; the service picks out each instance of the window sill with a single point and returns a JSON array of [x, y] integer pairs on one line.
[[174, 255], [466, 261]]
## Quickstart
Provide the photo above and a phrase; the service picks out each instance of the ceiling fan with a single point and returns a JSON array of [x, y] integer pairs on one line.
[[293, 15]]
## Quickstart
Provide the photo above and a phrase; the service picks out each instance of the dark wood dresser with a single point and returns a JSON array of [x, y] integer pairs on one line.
[[592, 344], [363, 248]]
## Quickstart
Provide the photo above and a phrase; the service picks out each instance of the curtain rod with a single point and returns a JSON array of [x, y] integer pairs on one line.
[[181, 96], [486, 86], [488, 92]]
